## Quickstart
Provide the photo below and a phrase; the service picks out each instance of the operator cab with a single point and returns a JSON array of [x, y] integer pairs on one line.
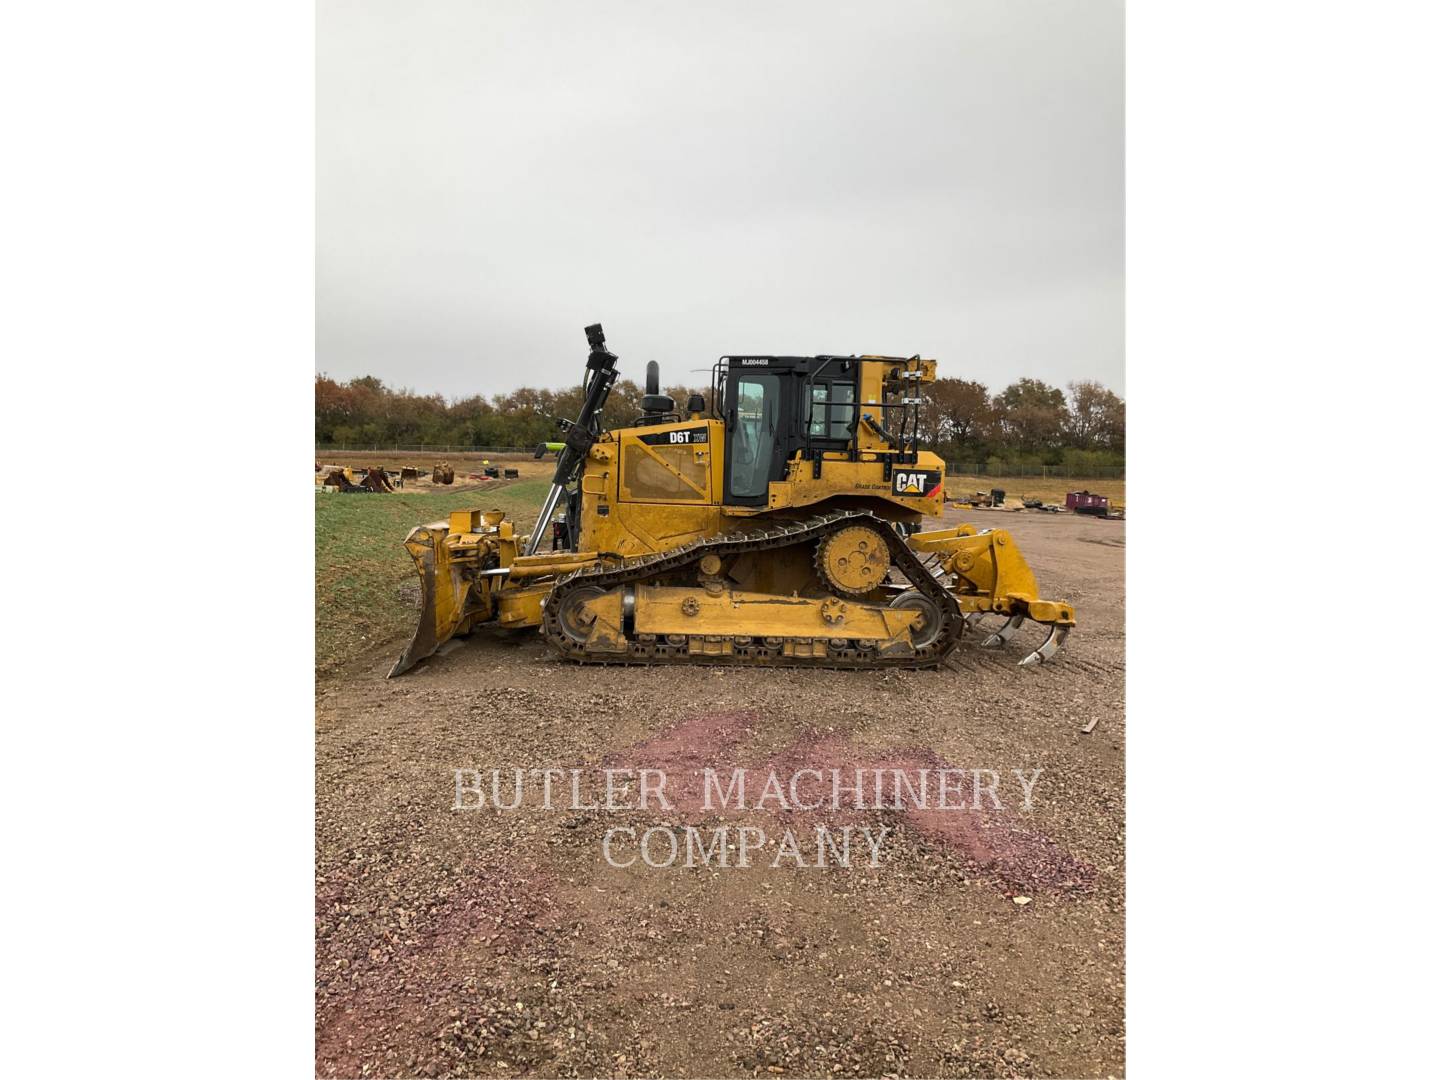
[[779, 406]]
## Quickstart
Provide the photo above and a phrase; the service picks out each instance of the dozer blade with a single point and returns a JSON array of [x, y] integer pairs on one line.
[[470, 576], [426, 639], [444, 590]]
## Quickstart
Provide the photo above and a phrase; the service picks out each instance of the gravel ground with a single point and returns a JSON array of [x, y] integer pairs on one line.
[[985, 942]]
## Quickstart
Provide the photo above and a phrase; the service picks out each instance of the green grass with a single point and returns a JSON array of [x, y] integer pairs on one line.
[[362, 567]]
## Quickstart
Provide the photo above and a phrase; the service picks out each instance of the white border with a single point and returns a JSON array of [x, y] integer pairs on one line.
[[158, 227], [1282, 190], [158, 283]]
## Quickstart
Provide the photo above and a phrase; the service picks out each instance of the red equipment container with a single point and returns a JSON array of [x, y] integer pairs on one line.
[[1082, 502]]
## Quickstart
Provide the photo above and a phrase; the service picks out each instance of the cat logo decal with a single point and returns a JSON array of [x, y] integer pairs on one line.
[[923, 484]]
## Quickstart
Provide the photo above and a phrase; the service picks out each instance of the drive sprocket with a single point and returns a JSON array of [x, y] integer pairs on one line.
[[853, 561]]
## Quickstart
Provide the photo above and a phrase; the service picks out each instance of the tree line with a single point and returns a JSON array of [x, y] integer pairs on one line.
[[367, 412], [1029, 422]]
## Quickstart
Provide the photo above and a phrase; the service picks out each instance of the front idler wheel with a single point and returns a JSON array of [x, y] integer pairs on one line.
[[575, 620], [929, 628]]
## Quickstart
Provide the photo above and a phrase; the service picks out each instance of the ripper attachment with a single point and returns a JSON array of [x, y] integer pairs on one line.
[[989, 576]]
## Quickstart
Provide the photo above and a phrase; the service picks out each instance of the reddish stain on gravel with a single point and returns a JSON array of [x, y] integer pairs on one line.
[[404, 975], [685, 750], [990, 840], [496, 903]]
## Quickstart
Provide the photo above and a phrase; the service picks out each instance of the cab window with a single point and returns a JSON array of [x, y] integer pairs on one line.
[[832, 409]]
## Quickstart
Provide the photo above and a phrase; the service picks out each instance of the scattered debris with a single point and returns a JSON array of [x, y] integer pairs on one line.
[[994, 499], [338, 478], [1089, 727], [349, 478], [353, 481], [377, 480]]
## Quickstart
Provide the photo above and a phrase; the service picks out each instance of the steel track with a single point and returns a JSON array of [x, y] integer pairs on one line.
[[758, 653]]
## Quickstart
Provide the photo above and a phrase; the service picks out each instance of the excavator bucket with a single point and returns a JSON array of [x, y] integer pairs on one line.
[[988, 575]]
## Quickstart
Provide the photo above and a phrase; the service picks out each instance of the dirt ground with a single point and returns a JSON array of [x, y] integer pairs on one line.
[[502, 943]]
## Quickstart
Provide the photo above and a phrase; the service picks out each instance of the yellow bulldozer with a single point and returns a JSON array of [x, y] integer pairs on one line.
[[780, 526]]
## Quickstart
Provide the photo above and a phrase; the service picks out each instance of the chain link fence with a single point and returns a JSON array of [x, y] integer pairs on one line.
[[1005, 469], [418, 448]]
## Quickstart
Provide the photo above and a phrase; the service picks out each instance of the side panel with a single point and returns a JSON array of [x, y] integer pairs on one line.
[[668, 463], [917, 488], [652, 488]]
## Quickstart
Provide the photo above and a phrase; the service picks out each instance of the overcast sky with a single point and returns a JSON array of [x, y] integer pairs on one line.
[[943, 178]]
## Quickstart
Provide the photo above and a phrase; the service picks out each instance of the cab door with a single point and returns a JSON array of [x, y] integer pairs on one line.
[[754, 449]]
